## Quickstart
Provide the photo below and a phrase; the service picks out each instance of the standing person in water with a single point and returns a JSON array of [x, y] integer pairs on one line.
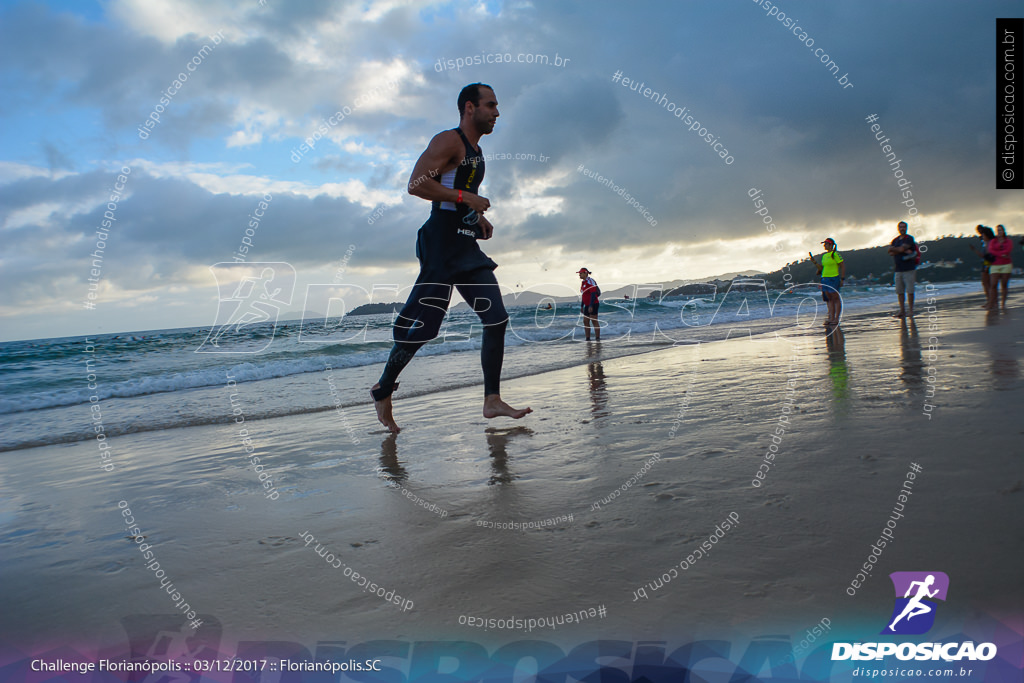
[[903, 250], [986, 235], [1002, 266], [589, 293], [833, 272], [448, 174]]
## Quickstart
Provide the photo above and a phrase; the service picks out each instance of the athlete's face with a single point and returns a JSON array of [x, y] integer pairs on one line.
[[486, 113]]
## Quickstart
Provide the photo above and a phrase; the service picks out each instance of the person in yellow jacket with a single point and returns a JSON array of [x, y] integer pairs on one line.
[[833, 271]]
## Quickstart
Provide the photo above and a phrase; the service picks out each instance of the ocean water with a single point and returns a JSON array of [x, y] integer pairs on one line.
[[73, 573], [69, 389]]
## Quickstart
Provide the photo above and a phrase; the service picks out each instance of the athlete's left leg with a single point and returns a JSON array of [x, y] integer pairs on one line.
[[416, 324]]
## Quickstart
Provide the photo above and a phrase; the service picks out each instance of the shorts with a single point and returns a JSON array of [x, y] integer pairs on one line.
[[905, 280], [589, 310], [445, 247], [421, 318], [829, 285], [1004, 269]]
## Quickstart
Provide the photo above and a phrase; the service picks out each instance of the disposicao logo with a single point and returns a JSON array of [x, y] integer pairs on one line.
[[914, 614]]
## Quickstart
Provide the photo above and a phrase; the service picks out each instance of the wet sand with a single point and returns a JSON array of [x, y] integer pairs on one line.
[[857, 421]]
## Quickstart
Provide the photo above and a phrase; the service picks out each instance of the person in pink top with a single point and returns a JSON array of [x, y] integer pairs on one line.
[[999, 272], [589, 292]]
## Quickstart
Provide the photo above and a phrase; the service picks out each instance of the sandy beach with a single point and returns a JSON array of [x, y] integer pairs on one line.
[[626, 467], [219, 218]]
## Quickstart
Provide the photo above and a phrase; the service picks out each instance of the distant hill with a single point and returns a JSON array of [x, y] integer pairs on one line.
[[938, 264], [946, 259], [374, 309]]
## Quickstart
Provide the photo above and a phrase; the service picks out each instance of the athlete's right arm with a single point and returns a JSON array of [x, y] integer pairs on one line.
[[444, 153]]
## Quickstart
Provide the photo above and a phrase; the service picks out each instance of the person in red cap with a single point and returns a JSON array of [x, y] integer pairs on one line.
[[833, 272], [589, 292]]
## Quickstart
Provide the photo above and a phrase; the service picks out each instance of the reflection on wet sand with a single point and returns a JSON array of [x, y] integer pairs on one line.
[[389, 459], [497, 443], [598, 391], [910, 348], [1005, 366], [838, 371]]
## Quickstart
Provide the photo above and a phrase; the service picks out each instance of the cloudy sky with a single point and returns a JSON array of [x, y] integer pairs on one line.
[[80, 79]]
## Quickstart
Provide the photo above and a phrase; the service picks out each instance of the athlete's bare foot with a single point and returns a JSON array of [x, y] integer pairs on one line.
[[495, 407], [384, 415]]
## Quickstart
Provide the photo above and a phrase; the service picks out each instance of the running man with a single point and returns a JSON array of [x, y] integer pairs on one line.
[[904, 252], [915, 607], [449, 256], [589, 291]]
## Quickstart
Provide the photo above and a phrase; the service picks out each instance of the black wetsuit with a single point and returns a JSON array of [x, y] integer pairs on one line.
[[449, 256]]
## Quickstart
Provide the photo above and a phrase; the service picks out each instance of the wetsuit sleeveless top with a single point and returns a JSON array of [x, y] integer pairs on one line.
[[446, 243]]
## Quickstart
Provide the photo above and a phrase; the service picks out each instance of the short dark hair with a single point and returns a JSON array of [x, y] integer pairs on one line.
[[986, 232], [903, 223], [471, 93]]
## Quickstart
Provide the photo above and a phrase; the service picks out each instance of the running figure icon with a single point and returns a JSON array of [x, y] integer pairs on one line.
[[915, 607], [250, 296], [254, 306]]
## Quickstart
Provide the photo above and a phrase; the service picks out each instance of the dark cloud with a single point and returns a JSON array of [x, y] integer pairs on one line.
[[927, 71]]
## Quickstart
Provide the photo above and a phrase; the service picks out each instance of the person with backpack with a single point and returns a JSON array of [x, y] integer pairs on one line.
[[906, 255], [589, 293]]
